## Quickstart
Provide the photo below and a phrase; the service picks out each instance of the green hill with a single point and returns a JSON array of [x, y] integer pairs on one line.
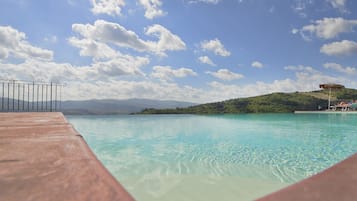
[[270, 103]]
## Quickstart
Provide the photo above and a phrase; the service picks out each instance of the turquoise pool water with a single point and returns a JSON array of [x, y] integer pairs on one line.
[[225, 157]]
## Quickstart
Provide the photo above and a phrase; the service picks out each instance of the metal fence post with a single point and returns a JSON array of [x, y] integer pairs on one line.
[[51, 98], [8, 96], [3, 94], [35, 97]]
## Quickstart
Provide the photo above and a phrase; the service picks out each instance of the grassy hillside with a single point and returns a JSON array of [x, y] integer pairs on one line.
[[271, 103]]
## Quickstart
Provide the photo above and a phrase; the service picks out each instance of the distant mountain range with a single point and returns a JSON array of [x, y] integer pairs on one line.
[[110, 106]]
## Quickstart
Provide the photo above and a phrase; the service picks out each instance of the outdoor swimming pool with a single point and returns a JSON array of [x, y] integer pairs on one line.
[[218, 157]]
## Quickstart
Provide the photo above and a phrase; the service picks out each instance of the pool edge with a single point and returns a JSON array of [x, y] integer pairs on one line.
[[42, 157], [338, 182]]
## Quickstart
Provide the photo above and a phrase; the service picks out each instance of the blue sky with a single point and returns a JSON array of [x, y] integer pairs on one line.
[[188, 50]]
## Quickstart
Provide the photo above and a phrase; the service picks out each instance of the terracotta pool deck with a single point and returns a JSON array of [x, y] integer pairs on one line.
[[337, 183], [43, 158]]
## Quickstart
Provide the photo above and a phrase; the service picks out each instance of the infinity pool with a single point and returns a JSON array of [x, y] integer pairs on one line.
[[210, 158]]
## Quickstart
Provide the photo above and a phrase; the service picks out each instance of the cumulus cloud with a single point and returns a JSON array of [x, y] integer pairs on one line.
[[108, 32], [225, 74], [32, 69], [257, 64], [206, 60], [300, 68], [34, 63], [167, 40], [338, 4], [107, 62], [342, 48], [64, 72], [307, 78], [121, 89], [109, 7], [215, 46], [119, 66], [328, 28], [166, 73], [339, 68], [92, 48], [13, 43], [152, 8]]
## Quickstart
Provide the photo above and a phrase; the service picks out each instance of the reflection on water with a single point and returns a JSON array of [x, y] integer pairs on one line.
[[160, 157]]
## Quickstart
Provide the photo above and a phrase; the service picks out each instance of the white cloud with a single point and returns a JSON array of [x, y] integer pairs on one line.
[[222, 91], [301, 6], [109, 7], [205, 1], [215, 46], [35, 63], [303, 81], [295, 31], [257, 64], [167, 40], [328, 28], [166, 73], [64, 72], [206, 60], [120, 89], [14, 44], [3, 53], [92, 48], [108, 32], [338, 4], [300, 68], [342, 48], [107, 62], [51, 39], [225, 74], [152, 8], [40, 70], [119, 66], [339, 68]]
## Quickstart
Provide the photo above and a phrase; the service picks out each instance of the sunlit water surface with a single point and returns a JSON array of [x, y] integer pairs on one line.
[[210, 158]]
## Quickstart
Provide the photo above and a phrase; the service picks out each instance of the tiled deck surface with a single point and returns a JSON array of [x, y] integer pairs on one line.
[[43, 158]]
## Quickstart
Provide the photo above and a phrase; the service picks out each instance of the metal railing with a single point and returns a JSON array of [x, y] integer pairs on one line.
[[22, 96]]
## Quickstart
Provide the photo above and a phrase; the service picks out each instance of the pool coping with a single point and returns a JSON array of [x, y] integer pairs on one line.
[[338, 182]]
